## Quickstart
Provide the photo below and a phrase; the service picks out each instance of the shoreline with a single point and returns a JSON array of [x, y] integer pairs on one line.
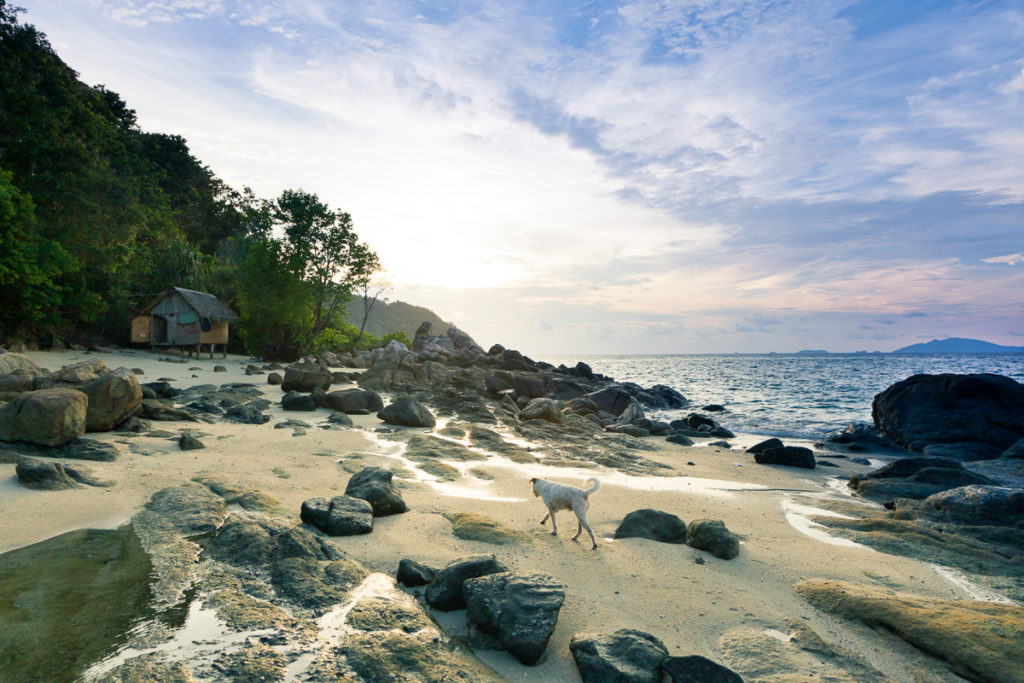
[[704, 607]]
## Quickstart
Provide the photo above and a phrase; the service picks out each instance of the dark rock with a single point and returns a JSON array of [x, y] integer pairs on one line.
[[669, 397], [612, 400], [980, 505], [339, 516], [915, 478], [564, 389], [968, 451], [936, 409], [361, 401], [412, 573], [765, 445], [859, 437], [296, 401], [722, 433], [340, 419], [680, 439], [159, 389], [653, 524], [712, 536], [632, 430], [242, 542], [792, 456], [192, 510], [205, 407], [275, 379], [720, 444], [187, 442], [48, 417], [712, 408], [519, 610], [53, 476], [697, 669], [219, 368], [1015, 451], [696, 421], [407, 411], [626, 656], [305, 377], [248, 413], [154, 409], [374, 485], [445, 591], [291, 424]]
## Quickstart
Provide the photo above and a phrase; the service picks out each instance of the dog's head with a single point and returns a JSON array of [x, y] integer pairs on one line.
[[533, 482]]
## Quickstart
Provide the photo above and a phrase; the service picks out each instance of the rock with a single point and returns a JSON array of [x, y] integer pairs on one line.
[[654, 525], [53, 476], [722, 433], [519, 610], [13, 362], [159, 389], [407, 411], [612, 400], [248, 413], [219, 368], [298, 402], [669, 398], [979, 641], [374, 485], [858, 437], [626, 656], [946, 409], [48, 417], [680, 440], [792, 456], [968, 451], [112, 399], [305, 377], [445, 591], [339, 516], [192, 510], [1015, 451], [361, 401], [275, 379], [340, 419], [629, 429], [412, 573], [697, 669], [916, 478], [81, 372], [713, 408], [546, 409], [980, 505], [153, 409], [765, 445], [712, 536], [696, 421], [187, 442]]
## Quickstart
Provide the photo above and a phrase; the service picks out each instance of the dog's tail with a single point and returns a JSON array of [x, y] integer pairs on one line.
[[593, 488]]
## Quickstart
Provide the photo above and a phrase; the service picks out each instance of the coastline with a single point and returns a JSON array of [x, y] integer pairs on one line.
[[723, 610]]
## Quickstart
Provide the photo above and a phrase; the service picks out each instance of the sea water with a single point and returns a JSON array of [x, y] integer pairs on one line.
[[787, 395]]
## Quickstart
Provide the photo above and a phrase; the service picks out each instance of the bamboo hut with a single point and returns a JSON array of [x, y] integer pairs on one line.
[[186, 319]]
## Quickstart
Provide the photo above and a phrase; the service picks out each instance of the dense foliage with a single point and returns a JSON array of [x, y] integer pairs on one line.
[[97, 217]]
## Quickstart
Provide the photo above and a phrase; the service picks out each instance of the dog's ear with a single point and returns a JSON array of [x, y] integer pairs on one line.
[[534, 480]]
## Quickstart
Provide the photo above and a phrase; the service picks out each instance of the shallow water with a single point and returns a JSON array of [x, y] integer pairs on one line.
[[788, 395]]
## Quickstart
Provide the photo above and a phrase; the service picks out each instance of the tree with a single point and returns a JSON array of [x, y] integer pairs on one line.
[[368, 287]]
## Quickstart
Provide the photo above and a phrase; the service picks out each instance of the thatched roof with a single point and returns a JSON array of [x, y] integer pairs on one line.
[[206, 305]]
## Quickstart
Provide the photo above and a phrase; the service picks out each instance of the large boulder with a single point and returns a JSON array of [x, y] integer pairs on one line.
[[80, 372], [12, 362], [547, 409], [294, 401], [112, 399], [626, 656], [654, 525], [445, 591], [354, 401], [519, 610], [612, 400], [925, 410], [374, 485], [48, 417], [407, 412], [916, 478], [980, 505], [339, 516], [305, 377]]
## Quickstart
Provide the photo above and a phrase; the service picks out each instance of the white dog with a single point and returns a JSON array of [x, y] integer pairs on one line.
[[561, 497]]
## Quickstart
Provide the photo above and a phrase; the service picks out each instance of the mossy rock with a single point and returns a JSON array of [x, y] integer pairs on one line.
[[253, 663], [441, 470], [243, 612], [424, 656], [473, 527], [421, 447]]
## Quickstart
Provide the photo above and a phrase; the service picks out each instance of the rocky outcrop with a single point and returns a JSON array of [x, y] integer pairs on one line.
[[979, 641], [305, 376], [655, 525], [916, 478], [445, 591], [48, 417], [374, 485], [712, 536], [53, 476], [543, 409], [979, 505], [16, 362], [113, 398], [407, 412], [859, 437], [519, 610], [973, 417], [339, 516], [626, 656]]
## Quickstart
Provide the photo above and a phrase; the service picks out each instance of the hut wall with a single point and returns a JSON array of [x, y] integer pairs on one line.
[[182, 321], [140, 329], [218, 334]]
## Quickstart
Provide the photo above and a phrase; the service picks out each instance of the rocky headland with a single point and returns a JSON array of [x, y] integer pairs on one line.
[[369, 518]]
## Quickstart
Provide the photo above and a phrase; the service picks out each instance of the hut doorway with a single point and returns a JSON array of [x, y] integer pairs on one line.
[[158, 332]]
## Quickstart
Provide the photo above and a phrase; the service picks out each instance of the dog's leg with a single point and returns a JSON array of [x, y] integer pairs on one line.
[[583, 525], [545, 518], [554, 527], [579, 530]]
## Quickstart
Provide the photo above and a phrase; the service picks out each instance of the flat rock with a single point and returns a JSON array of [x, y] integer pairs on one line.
[[626, 656]]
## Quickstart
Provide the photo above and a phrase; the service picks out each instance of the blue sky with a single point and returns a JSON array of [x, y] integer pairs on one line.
[[618, 177]]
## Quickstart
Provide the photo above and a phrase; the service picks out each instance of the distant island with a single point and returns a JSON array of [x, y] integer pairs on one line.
[[959, 345]]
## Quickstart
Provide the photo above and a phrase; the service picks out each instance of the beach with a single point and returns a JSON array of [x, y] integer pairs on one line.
[[731, 611]]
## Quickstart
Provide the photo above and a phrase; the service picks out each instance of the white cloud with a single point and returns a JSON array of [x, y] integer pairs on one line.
[[1008, 259]]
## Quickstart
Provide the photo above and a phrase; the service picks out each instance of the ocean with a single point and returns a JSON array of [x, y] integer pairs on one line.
[[787, 395]]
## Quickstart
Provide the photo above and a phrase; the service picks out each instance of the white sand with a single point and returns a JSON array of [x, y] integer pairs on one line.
[[630, 583]]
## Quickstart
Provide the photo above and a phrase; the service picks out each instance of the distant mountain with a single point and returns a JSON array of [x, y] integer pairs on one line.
[[811, 352], [395, 316], [959, 345]]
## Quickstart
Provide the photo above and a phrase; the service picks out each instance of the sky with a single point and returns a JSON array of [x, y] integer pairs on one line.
[[587, 177]]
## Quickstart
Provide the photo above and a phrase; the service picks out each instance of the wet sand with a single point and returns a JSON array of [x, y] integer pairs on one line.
[[687, 598]]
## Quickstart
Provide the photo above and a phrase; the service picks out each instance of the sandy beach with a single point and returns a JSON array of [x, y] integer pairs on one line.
[[736, 612]]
